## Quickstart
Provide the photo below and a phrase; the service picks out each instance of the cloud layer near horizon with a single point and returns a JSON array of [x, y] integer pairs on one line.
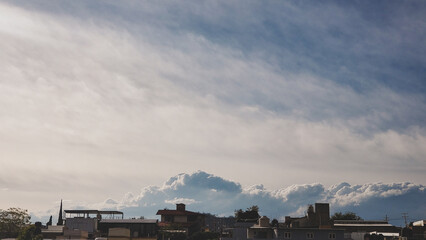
[[97, 97], [204, 192]]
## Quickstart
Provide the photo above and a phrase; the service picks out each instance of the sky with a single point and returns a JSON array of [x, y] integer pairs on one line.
[[103, 102]]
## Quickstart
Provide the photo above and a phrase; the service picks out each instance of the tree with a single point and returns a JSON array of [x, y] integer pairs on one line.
[[12, 221], [250, 215], [253, 208], [345, 216], [30, 232]]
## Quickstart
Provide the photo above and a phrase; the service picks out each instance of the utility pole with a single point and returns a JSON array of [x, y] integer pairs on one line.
[[386, 218], [405, 216]]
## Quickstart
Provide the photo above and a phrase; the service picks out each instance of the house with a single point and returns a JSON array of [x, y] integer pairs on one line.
[[262, 230], [128, 228], [315, 224], [309, 233], [180, 221], [85, 222], [357, 229], [415, 230], [238, 232], [218, 224]]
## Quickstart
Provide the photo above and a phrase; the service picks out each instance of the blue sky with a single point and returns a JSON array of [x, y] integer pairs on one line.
[[107, 97]]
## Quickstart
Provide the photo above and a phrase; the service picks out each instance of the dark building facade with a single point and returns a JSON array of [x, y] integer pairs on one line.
[[218, 224], [318, 217], [180, 220], [309, 234], [138, 228]]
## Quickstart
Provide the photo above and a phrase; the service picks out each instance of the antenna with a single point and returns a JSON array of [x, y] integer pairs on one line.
[[405, 216]]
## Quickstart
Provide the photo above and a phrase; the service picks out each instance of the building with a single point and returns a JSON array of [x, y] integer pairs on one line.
[[238, 232], [357, 229], [415, 230], [128, 228], [78, 222], [318, 217], [309, 234], [180, 221], [52, 232], [262, 230], [315, 224], [218, 224]]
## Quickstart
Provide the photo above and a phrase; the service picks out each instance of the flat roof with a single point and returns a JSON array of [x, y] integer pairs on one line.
[[360, 221], [312, 229], [53, 229], [362, 225], [129, 221], [258, 227]]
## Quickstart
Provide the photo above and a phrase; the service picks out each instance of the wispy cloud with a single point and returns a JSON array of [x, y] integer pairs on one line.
[[119, 94]]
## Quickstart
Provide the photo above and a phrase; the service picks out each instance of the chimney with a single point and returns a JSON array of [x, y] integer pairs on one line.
[[180, 207]]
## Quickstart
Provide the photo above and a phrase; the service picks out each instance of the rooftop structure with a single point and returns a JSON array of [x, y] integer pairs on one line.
[[97, 214]]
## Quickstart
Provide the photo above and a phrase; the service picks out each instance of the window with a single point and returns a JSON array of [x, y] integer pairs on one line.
[[287, 235], [310, 236], [332, 236]]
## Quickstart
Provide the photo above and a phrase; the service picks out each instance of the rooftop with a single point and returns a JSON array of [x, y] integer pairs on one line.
[[361, 221], [129, 221], [176, 212], [92, 212], [362, 225]]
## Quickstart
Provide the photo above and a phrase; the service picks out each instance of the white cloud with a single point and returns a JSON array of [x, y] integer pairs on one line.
[[292, 200], [187, 201]]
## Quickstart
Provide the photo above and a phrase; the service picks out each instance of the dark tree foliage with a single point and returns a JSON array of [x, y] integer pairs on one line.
[[345, 216], [274, 222], [12, 221], [376, 237], [253, 208], [30, 232], [251, 214]]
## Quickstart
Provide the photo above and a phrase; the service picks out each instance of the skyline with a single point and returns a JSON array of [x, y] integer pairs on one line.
[[207, 193], [99, 99]]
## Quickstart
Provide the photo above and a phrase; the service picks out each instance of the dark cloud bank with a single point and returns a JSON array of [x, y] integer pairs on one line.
[[205, 192]]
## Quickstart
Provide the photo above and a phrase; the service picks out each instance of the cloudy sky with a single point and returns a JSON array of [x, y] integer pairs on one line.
[[100, 99]]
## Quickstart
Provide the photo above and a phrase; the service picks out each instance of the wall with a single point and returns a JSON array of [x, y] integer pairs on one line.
[[86, 224], [180, 219]]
